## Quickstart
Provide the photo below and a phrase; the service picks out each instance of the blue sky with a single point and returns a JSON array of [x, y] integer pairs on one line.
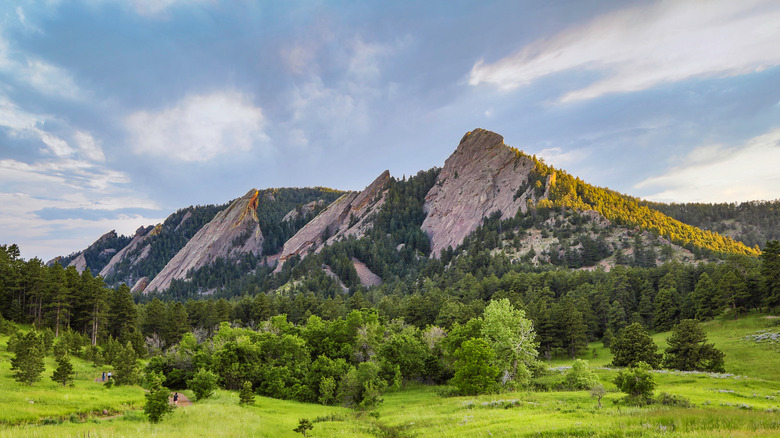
[[115, 113]]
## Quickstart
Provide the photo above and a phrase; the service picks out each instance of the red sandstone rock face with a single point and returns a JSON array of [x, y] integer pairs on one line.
[[481, 177], [347, 216], [232, 232]]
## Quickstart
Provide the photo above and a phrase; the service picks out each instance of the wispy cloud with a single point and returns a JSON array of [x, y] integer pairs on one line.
[[638, 48], [157, 8], [199, 128], [718, 173]]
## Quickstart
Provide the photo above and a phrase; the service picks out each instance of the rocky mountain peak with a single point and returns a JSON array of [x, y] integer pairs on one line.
[[481, 177], [233, 232]]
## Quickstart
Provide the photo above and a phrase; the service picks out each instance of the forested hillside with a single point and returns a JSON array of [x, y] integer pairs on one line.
[[568, 191], [753, 223]]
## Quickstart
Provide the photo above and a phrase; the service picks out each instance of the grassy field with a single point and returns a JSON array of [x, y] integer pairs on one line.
[[744, 404]]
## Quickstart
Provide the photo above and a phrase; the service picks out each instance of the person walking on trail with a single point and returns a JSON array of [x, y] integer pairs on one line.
[[104, 376], [175, 398], [109, 375]]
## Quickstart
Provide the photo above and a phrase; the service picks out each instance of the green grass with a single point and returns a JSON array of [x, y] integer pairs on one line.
[[744, 405], [20, 403]]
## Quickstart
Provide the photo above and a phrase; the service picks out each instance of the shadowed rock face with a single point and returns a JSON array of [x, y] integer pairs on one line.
[[334, 222], [481, 177], [232, 232], [141, 235]]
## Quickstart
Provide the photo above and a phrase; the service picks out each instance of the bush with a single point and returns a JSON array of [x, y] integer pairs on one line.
[[157, 405], [580, 377], [637, 382], [203, 384], [475, 372], [673, 400]]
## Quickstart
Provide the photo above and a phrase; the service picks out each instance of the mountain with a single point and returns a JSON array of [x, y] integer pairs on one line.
[[233, 232], [487, 197]]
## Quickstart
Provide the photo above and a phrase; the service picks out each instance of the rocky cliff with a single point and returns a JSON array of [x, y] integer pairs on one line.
[[142, 234], [232, 232], [350, 215], [481, 177]]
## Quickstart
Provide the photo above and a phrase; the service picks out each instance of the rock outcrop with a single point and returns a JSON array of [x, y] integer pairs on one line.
[[305, 210], [367, 278], [80, 263], [233, 232], [142, 234], [347, 216], [481, 177]]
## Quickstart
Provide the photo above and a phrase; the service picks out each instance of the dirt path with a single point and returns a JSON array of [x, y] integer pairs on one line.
[[183, 400]]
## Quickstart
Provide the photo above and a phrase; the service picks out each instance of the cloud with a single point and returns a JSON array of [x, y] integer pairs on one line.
[[89, 146], [717, 173], [340, 108], [157, 8], [638, 48], [199, 128], [559, 158], [21, 223], [45, 78]]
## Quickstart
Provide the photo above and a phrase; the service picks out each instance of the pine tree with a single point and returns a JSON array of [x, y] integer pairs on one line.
[[64, 372], [688, 349], [28, 358], [122, 311], [246, 396], [634, 345], [704, 297], [126, 365], [770, 274], [667, 309]]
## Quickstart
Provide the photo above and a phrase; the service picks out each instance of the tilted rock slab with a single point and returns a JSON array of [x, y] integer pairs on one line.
[[233, 232], [141, 235], [334, 221], [481, 177]]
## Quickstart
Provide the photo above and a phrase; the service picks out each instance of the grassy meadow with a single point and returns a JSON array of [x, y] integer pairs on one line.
[[743, 402]]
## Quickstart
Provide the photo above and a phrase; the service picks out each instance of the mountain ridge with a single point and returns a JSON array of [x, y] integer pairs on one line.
[[482, 178]]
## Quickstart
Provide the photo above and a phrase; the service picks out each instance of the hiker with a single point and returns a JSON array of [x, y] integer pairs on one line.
[[175, 398], [104, 376], [109, 375]]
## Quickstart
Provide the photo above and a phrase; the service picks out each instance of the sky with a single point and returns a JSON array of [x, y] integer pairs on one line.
[[116, 113]]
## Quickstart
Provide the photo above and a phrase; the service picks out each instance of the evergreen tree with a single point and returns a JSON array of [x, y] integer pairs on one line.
[[770, 274], [633, 346], [705, 298], [246, 396], [122, 312], [667, 309], [126, 365], [732, 292], [27, 362], [64, 372], [688, 349]]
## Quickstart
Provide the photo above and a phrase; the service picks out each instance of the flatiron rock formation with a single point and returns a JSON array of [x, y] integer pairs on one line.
[[233, 232], [481, 177], [349, 215]]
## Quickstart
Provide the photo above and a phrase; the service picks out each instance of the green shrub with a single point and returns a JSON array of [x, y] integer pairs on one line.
[[203, 384], [673, 400], [637, 382], [157, 405]]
